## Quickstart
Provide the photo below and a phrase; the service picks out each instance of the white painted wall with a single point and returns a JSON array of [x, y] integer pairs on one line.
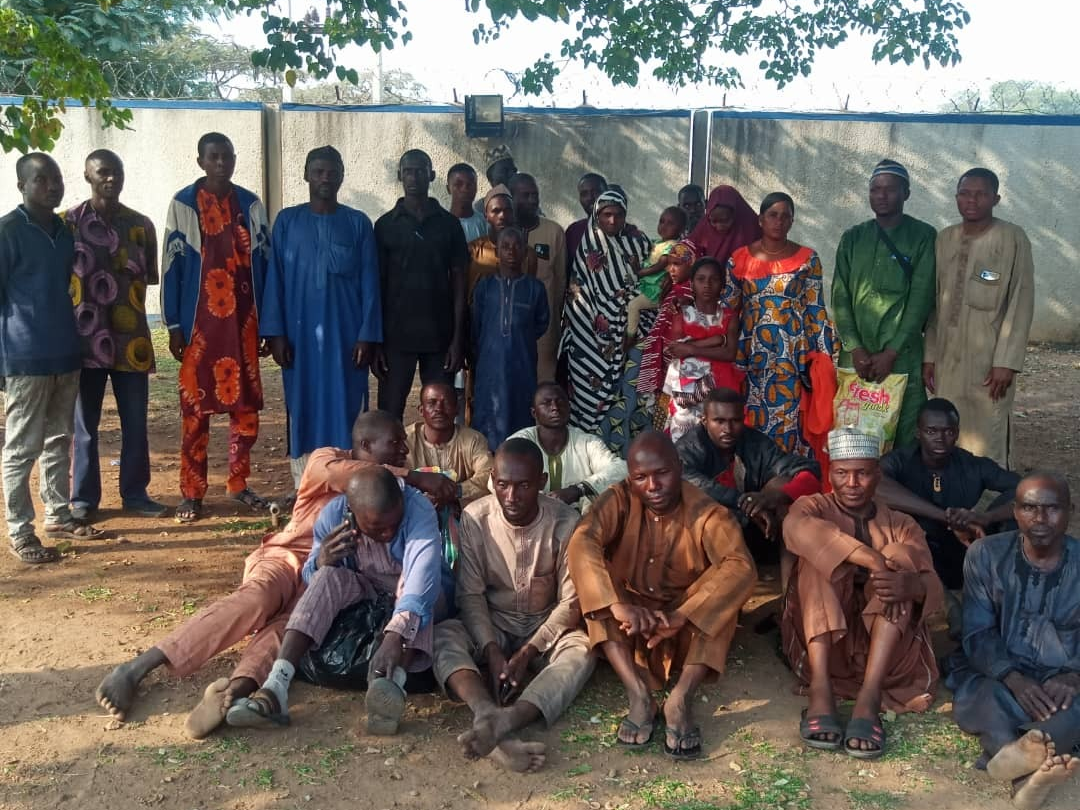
[[824, 163]]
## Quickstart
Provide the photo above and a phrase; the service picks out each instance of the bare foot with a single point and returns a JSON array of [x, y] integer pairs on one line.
[[642, 718], [1021, 757], [488, 730], [116, 692], [1037, 788], [519, 756], [210, 711]]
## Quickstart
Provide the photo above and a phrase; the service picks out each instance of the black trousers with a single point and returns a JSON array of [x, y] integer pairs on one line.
[[401, 369]]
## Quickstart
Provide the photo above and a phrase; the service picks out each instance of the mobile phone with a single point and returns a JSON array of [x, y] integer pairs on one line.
[[354, 528], [505, 690]]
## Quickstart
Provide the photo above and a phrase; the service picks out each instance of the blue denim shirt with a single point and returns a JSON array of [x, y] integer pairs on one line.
[[37, 319]]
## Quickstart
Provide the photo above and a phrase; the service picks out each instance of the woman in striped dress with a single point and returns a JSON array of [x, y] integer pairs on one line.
[[603, 280]]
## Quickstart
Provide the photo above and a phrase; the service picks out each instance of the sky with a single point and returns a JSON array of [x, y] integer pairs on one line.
[[999, 43]]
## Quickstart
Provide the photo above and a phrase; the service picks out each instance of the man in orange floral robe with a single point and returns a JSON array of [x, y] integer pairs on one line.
[[216, 249]]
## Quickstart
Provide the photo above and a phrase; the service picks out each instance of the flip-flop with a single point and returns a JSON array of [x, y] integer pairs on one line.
[[385, 703], [189, 510], [872, 731], [677, 751], [636, 729], [256, 711], [73, 530], [28, 549], [821, 724]]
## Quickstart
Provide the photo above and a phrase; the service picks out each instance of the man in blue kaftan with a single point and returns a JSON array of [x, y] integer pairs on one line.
[[321, 311]]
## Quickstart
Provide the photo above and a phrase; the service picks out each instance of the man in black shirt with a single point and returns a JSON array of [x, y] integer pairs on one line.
[[423, 257], [940, 485]]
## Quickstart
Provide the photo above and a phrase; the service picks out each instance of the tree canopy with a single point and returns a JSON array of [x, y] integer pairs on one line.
[[58, 45], [1017, 97]]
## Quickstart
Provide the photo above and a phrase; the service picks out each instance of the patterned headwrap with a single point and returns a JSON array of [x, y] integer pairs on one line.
[[848, 443], [497, 153], [607, 199], [890, 167]]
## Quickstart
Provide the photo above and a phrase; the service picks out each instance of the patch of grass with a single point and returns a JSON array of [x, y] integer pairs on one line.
[[572, 792], [874, 800], [332, 758], [94, 593], [918, 736], [189, 605], [305, 774], [171, 757], [580, 770], [770, 788], [264, 779], [242, 526]]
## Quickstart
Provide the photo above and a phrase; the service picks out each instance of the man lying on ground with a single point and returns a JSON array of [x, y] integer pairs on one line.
[[662, 572], [854, 623], [1017, 679], [380, 538], [518, 613], [271, 583], [578, 465]]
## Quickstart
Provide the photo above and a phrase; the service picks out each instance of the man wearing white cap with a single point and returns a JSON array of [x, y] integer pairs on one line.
[[883, 291], [854, 618]]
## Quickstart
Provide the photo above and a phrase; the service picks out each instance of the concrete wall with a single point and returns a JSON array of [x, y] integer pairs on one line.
[[824, 163]]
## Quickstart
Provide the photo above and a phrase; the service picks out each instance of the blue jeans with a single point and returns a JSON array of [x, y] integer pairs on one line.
[[131, 389]]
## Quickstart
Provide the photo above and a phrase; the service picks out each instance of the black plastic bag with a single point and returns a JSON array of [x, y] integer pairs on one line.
[[341, 661]]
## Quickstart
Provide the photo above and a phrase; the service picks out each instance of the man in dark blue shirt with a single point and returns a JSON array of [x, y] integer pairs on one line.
[[40, 358]]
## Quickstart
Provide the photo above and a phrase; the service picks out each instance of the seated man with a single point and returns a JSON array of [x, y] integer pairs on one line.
[[662, 572], [271, 583], [378, 538], [940, 484], [518, 611], [744, 470], [854, 617], [579, 466], [437, 441], [1016, 682]]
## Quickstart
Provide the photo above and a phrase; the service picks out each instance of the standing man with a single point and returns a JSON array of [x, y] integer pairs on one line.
[[883, 292], [692, 201], [215, 263], [589, 188], [547, 243], [40, 357], [977, 337], [322, 314], [115, 259], [422, 261], [461, 186]]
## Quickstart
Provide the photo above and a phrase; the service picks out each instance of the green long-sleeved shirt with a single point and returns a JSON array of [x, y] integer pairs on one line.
[[874, 304]]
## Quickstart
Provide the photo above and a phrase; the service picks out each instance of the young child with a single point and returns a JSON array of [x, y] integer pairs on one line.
[[702, 344], [652, 280], [509, 314]]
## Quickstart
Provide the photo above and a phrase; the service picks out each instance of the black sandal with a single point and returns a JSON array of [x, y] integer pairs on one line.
[[189, 510], [30, 551], [821, 724], [251, 500], [872, 731], [679, 751]]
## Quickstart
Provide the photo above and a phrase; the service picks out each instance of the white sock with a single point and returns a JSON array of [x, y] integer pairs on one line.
[[278, 682]]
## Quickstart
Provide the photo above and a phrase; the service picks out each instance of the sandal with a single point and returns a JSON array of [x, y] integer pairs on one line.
[[249, 499], [73, 530], [680, 751], [821, 724], [635, 729], [189, 510], [260, 710], [30, 551], [859, 728]]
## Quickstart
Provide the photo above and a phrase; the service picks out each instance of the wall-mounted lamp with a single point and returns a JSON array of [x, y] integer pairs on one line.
[[484, 116]]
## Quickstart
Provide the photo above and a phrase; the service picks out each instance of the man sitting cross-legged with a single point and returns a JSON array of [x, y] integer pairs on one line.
[[518, 611], [854, 617], [271, 583], [1016, 682], [744, 470], [438, 441], [662, 572], [579, 466], [378, 538]]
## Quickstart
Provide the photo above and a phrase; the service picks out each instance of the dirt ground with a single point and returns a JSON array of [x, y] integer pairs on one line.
[[65, 626]]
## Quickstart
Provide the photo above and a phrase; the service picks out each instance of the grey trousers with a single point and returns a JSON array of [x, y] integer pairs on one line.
[[39, 420], [564, 672]]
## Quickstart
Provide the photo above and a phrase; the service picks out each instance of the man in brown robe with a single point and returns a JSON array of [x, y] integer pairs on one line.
[[661, 572], [854, 618]]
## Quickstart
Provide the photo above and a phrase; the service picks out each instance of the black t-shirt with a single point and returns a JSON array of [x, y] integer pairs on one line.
[[416, 260]]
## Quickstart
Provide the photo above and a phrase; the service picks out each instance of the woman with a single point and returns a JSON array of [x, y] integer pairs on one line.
[[603, 279], [729, 223], [777, 285]]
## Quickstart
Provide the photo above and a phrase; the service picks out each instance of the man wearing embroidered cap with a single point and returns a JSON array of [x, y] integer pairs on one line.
[[854, 624], [883, 292]]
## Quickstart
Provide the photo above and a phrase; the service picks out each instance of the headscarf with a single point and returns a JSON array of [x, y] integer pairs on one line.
[[743, 231], [608, 199]]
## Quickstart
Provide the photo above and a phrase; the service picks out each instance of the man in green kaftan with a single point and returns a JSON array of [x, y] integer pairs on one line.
[[883, 292]]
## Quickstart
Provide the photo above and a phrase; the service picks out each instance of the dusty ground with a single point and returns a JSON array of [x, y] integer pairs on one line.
[[65, 626]]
